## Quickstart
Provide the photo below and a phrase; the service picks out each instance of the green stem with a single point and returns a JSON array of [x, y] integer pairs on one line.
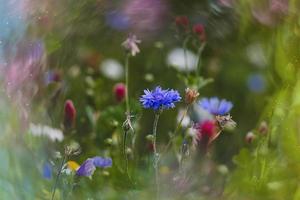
[[176, 130], [199, 54], [57, 177], [186, 40], [126, 83], [156, 155]]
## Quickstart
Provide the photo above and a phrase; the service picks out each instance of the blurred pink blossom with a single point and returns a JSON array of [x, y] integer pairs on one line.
[[145, 16], [271, 13]]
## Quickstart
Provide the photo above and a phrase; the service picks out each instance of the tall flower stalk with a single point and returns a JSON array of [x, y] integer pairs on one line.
[[155, 153], [130, 45], [158, 100]]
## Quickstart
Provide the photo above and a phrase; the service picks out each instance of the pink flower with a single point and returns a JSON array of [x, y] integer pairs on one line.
[[69, 114], [130, 44], [119, 91], [182, 22], [199, 30], [207, 132]]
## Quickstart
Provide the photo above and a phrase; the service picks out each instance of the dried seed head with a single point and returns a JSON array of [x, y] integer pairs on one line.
[[191, 95], [226, 122]]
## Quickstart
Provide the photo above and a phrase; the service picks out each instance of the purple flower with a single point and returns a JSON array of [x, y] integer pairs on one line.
[[102, 162], [89, 166], [159, 98], [130, 44], [216, 106]]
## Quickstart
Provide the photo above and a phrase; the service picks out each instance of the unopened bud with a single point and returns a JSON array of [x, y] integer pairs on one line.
[[150, 137], [109, 141], [250, 137], [128, 150], [263, 128], [69, 114]]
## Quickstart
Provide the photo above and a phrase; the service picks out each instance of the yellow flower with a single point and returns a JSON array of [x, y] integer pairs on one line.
[[72, 165]]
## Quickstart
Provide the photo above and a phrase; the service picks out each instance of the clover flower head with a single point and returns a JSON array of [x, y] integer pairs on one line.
[[216, 106], [160, 99], [130, 44], [89, 166]]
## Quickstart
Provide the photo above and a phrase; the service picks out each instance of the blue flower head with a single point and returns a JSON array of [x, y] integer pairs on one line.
[[159, 98], [89, 166], [216, 106], [47, 171]]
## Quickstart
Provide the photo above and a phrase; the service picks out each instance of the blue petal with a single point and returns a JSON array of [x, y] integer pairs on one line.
[[87, 168], [47, 171], [102, 162]]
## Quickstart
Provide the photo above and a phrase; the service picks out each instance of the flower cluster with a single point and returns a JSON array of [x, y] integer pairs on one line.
[[160, 99], [216, 106], [89, 166]]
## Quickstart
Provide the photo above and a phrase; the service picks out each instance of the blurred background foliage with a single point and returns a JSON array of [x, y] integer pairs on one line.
[[252, 53]]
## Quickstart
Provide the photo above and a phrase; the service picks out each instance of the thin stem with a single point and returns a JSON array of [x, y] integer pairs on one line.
[[156, 155], [185, 42], [58, 175], [176, 130], [125, 154], [128, 121], [199, 54], [126, 83]]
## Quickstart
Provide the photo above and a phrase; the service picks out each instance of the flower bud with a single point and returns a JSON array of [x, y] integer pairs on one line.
[[69, 114], [250, 137], [199, 30], [182, 22], [109, 141], [128, 150], [150, 137], [191, 95], [119, 91], [263, 128]]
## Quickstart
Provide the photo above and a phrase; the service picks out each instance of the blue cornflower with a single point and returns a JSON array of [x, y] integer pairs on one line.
[[89, 166], [159, 98], [47, 170], [216, 106]]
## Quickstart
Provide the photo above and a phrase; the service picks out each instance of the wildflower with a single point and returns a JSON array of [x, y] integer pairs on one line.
[[216, 106], [263, 128], [130, 44], [160, 99], [89, 166], [199, 30], [70, 114], [182, 22], [112, 69], [72, 165], [250, 137], [47, 171], [207, 131], [42, 130], [119, 91], [191, 95]]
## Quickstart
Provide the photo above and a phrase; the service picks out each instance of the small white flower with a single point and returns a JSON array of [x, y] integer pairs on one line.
[[182, 61], [130, 44], [112, 69], [42, 130]]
